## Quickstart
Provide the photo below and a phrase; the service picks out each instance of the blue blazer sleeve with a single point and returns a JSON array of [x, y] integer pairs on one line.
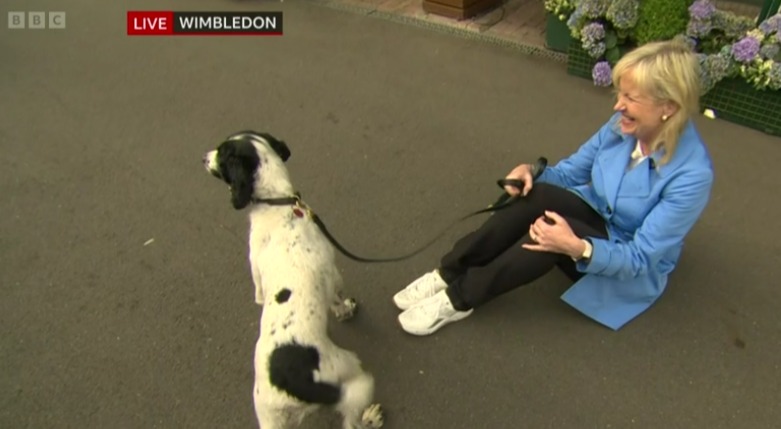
[[576, 169]]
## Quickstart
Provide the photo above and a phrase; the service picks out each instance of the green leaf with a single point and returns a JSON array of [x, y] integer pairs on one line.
[[611, 40], [613, 55]]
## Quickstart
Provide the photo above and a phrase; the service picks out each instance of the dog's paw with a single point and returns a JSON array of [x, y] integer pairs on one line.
[[372, 416], [346, 309]]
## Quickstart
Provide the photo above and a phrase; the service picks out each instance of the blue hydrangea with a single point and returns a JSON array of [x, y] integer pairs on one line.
[[699, 27], [596, 50], [602, 74], [731, 24], [623, 13], [774, 76], [769, 51], [592, 36], [593, 33], [713, 68], [771, 25], [573, 22], [594, 8], [746, 49]]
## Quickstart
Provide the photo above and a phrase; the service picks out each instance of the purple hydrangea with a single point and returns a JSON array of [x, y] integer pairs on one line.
[[602, 74], [771, 25], [701, 10], [746, 49]]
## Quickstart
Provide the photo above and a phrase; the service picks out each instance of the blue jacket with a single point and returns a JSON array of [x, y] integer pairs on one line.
[[649, 210]]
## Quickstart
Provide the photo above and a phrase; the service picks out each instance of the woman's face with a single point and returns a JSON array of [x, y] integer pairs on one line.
[[641, 116]]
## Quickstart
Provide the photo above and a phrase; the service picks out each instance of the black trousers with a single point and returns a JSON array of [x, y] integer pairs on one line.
[[490, 261]]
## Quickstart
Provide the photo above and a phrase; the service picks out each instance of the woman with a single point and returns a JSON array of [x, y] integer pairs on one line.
[[613, 215]]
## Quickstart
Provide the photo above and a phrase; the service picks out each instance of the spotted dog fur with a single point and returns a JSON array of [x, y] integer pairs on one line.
[[297, 367]]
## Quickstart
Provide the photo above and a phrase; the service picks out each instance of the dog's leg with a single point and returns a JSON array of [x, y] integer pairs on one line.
[[343, 308], [271, 418], [356, 407], [372, 416]]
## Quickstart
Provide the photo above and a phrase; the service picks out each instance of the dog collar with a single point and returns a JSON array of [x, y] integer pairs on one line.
[[282, 201], [299, 208]]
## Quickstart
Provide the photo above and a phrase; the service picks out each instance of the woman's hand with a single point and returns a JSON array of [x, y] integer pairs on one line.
[[556, 237], [522, 172]]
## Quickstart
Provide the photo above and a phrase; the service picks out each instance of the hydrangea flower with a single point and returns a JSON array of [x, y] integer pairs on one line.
[[771, 25], [746, 49], [731, 24], [699, 27], [774, 76], [623, 13], [593, 33], [574, 22], [769, 51], [702, 10], [594, 8], [713, 68], [602, 74], [592, 37]]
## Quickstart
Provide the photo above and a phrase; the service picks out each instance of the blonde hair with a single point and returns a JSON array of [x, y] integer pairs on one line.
[[666, 71]]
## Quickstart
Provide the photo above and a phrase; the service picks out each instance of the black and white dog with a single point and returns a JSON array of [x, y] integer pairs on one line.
[[297, 367]]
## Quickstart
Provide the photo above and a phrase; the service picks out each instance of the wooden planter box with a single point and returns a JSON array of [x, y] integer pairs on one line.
[[459, 9], [735, 100], [557, 34]]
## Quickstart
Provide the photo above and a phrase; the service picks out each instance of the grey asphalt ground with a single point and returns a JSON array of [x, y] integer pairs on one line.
[[395, 131]]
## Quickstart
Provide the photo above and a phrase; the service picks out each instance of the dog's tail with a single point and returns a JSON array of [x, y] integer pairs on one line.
[[291, 369]]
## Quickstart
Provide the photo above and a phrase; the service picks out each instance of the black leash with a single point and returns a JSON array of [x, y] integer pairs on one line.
[[504, 201]]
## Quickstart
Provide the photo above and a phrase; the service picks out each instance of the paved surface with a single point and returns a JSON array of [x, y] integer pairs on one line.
[[395, 130]]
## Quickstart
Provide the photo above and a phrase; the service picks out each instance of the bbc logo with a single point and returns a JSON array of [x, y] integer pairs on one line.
[[36, 20]]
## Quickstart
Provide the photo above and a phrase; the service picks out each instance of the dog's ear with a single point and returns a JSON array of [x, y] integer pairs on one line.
[[279, 146], [240, 182]]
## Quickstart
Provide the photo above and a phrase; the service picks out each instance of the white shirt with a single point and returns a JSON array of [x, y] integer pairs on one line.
[[637, 156]]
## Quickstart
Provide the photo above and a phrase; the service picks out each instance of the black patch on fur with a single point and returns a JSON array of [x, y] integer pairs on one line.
[[283, 295], [238, 162], [279, 146], [291, 369]]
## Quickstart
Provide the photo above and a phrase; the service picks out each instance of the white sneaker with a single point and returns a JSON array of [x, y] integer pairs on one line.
[[427, 316], [425, 286]]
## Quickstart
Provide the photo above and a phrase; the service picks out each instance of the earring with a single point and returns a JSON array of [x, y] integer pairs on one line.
[[664, 118]]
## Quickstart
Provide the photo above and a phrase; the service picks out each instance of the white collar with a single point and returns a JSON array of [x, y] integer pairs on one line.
[[637, 154]]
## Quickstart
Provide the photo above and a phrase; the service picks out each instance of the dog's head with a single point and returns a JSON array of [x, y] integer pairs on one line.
[[252, 164]]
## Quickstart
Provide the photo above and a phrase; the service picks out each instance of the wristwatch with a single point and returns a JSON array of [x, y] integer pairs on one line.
[[586, 252]]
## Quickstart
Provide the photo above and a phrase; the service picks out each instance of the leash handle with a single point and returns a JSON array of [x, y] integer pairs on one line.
[[537, 168]]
